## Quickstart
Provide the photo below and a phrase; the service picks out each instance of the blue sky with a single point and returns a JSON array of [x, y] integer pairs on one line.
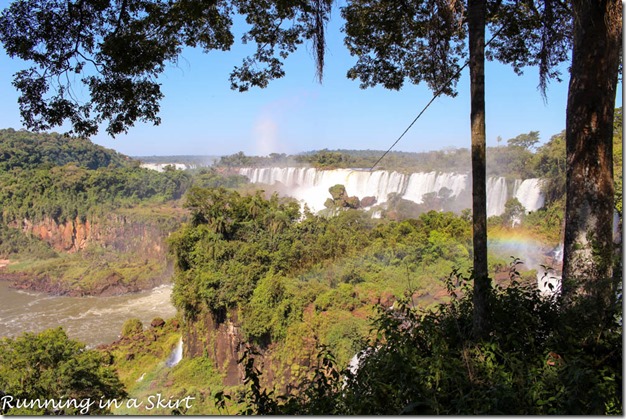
[[201, 115]]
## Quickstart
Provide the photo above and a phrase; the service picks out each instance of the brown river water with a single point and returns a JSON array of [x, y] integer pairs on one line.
[[92, 320]]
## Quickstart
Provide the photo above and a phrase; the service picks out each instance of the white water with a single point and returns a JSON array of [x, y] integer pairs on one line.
[[176, 355], [310, 185], [496, 195], [159, 167], [93, 320], [549, 284], [528, 193]]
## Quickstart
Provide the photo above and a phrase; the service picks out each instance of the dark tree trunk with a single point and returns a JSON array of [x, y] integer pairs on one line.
[[588, 243], [482, 284]]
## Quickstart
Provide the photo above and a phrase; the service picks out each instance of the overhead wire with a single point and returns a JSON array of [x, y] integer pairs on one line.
[[435, 96]]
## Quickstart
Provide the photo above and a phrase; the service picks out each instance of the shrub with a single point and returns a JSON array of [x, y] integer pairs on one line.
[[131, 327], [542, 356]]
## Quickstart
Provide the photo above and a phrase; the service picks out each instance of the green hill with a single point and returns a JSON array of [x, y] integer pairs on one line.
[[28, 150]]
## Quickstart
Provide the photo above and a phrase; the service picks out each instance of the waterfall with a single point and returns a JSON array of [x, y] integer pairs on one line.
[[528, 193], [176, 355], [310, 186], [496, 195]]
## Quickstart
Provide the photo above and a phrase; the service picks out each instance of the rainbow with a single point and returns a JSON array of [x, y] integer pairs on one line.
[[528, 247]]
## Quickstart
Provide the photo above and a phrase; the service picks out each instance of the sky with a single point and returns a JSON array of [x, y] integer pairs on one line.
[[201, 115]]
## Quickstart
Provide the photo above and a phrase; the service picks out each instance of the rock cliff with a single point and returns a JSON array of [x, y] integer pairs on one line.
[[221, 339], [118, 232]]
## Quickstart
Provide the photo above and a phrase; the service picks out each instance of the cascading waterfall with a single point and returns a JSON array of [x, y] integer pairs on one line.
[[310, 185], [176, 355], [496, 195], [528, 193]]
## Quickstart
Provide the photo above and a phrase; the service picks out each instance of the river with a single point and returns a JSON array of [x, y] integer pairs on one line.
[[92, 320]]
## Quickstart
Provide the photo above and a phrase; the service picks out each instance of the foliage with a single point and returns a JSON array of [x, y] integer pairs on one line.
[[449, 159], [239, 159], [118, 52], [69, 192], [190, 161], [511, 161], [526, 141], [26, 150], [325, 159], [140, 360], [314, 398], [233, 241], [16, 244], [211, 178], [132, 327], [64, 179], [340, 200], [540, 357], [550, 164], [289, 274], [513, 212], [548, 221], [49, 366]]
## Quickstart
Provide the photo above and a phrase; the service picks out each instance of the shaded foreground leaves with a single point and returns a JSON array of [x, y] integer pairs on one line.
[[541, 357]]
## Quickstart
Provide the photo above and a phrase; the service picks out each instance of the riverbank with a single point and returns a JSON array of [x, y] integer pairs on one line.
[[77, 276]]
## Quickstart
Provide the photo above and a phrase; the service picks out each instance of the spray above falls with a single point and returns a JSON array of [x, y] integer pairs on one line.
[[310, 186]]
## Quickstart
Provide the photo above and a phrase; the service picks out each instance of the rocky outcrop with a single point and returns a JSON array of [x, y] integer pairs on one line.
[[111, 285], [219, 339], [114, 231], [134, 258]]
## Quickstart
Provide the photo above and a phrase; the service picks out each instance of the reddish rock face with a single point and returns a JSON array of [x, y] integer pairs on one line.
[[114, 231], [222, 342]]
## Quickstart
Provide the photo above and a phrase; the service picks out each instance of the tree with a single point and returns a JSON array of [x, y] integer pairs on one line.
[[588, 245], [50, 366], [476, 27], [513, 213], [424, 41], [549, 163], [527, 141], [119, 49]]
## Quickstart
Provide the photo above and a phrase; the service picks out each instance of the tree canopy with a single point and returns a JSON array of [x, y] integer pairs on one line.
[[117, 50], [44, 371], [50, 175]]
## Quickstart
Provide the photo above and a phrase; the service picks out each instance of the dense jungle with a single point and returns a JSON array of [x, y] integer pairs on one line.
[[281, 310]]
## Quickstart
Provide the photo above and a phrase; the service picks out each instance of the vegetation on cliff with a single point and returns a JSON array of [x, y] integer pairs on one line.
[[542, 357], [142, 357], [82, 219], [291, 282], [296, 280]]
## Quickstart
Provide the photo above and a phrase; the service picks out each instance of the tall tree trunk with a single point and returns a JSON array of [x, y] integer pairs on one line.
[[482, 284], [588, 244]]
